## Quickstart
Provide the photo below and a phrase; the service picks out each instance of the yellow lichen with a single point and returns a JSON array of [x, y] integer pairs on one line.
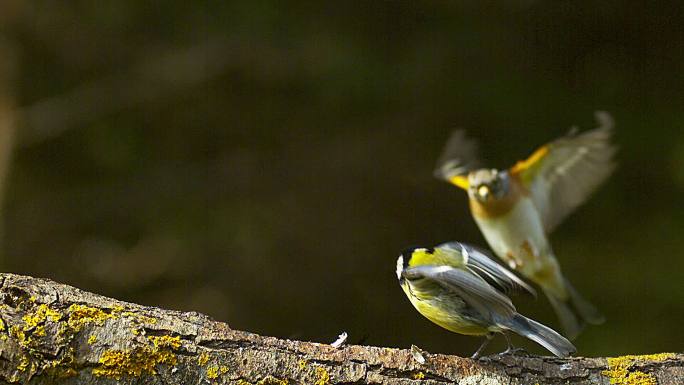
[[92, 339], [203, 359], [39, 316], [619, 371], [323, 376], [302, 364], [34, 324], [40, 331], [80, 315], [117, 309], [2, 325], [418, 376], [23, 363], [165, 341], [140, 317], [212, 372], [223, 369], [270, 380], [18, 333], [117, 363], [143, 360]]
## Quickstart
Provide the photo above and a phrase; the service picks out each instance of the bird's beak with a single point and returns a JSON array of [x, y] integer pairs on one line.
[[483, 191]]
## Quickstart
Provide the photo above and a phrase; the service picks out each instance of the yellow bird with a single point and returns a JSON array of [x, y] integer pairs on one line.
[[458, 287], [516, 209]]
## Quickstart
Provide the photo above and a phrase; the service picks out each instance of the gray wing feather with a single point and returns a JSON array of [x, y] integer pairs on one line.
[[577, 164], [477, 293], [480, 262], [458, 157]]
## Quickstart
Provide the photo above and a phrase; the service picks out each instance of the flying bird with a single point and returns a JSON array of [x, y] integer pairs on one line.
[[517, 208]]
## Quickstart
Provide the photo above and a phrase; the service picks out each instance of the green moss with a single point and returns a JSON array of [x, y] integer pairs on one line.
[[619, 371]]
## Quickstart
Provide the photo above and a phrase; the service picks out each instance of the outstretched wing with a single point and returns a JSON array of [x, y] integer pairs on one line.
[[475, 291], [480, 262], [562, 174], [458, 158]]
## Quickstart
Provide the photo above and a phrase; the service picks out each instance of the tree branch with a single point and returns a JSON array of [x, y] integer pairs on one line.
[[57, 334]]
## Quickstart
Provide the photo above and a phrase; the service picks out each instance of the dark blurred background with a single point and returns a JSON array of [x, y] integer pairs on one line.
[[264, 162]]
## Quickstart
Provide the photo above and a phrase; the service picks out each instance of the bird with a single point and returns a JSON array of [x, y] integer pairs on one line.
[[460, 288], [517, 208]]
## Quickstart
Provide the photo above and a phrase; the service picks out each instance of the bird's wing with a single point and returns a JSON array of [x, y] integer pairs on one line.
[[458, 158], [562, 174], [475, 291], [481, 262]]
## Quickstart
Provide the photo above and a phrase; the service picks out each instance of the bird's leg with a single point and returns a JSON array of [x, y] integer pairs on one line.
[[488, 338], [510, 349]]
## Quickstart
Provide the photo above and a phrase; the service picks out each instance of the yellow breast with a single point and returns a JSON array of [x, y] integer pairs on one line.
[[444, 314]]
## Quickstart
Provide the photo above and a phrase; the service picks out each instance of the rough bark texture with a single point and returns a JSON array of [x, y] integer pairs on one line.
[[57, 334]]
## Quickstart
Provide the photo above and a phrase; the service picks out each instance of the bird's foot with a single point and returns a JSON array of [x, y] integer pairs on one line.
[[513, 351]]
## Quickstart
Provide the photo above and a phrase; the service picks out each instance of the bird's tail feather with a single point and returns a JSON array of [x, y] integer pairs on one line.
[[569, 322], [568, 310], [586, 310], [543, 335]]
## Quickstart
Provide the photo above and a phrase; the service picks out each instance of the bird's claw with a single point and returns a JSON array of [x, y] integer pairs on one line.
[[512, 351]]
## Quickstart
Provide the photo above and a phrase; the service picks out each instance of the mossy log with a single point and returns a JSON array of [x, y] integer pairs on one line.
[[57, 334]]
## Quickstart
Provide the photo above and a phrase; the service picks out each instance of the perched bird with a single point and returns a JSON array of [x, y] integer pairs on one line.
[[517, 208], [461, 289]]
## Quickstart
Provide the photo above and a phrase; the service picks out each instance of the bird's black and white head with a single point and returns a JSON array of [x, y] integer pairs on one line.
[[487, 185], [413, 256]]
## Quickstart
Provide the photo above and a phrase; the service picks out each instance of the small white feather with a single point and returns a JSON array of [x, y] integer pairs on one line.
[[341, 340]]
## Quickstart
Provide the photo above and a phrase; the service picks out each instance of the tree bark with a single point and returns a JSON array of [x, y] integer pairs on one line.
[[56, 334]]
